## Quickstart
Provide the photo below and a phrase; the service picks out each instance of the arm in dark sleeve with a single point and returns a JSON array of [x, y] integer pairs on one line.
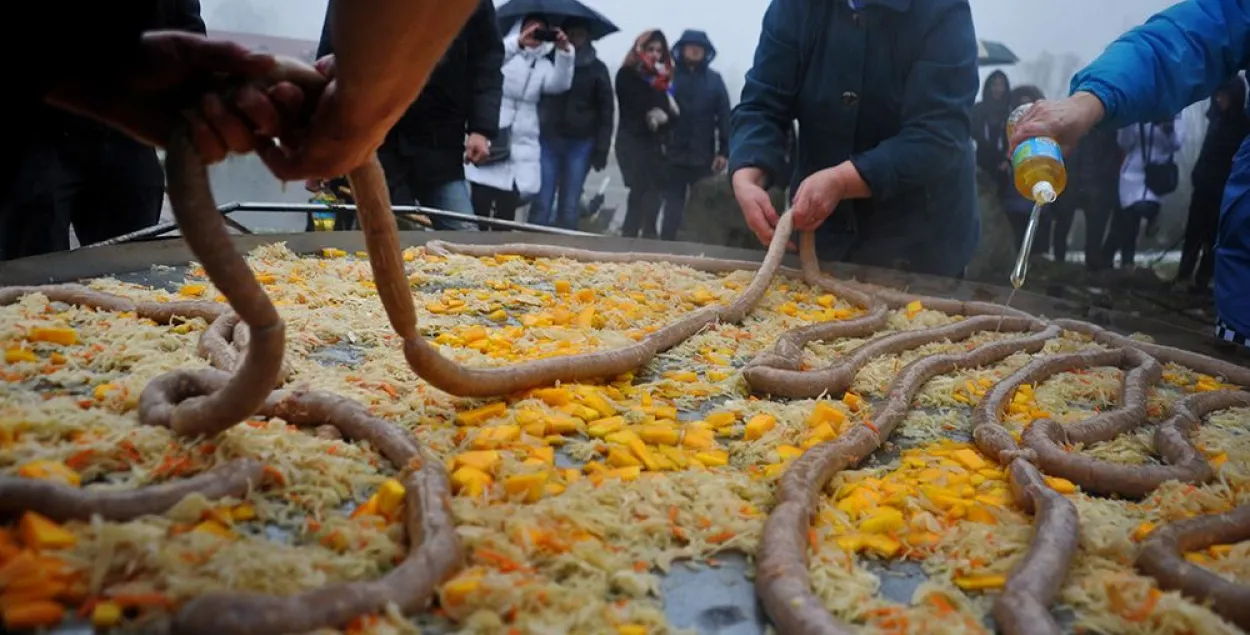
[[72, 44], [722, 120], [485, 59], [605, 103], [187, 17], [758, 125], [1177, 58], [326, 45], [937, 102], [633, 102]]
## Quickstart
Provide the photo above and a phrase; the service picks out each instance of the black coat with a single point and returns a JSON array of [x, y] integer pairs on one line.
[[462, 96], [702, 132], [1225, 132], [586, 110], [639, 150]]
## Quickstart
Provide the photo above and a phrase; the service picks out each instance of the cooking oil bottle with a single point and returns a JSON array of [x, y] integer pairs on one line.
[[1040, 176], [1037, 163]]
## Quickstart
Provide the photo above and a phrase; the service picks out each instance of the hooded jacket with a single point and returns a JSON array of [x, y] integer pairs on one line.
[[1178, 58], [890, 88], [1225, 132], [587, 110], [462, 96], [989, 125], [702, 131]]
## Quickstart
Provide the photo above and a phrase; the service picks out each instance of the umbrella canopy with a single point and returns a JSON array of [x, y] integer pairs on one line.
[[557, 11], [994, 54]]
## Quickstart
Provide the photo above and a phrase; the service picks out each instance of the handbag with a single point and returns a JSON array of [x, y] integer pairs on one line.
[[1161, 178], [501, 146]]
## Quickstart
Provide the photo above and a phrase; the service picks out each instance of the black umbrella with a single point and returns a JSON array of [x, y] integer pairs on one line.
[[994, 54], [557, 11]]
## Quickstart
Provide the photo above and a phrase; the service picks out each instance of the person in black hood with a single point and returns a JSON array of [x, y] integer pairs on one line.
[[80, 172], [1227, 128], [699, 144], [1093, 188], [989, 128], [576, 128], [450, 122]]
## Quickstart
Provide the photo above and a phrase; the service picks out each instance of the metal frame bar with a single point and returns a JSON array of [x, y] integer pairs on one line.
[[254, 206]]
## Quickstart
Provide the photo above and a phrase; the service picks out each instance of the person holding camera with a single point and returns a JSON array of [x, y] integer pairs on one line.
[[648, 112], [538, 60], [1148, 174]]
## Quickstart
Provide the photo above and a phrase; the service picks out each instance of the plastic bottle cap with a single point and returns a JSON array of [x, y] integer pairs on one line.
[[1044, 192]]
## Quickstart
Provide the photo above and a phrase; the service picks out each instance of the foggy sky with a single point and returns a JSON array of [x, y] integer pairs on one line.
[[1028, 27]]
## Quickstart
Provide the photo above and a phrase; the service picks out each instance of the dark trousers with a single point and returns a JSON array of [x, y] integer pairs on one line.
[[642, 211], [104, 188], [1097, 209], [681, 182], [1200, 231], [489, 202], [1124, 228]]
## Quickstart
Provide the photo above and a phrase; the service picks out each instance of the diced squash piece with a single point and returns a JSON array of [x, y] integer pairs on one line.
[[214, 528], [758, 426], [458, 589], [55, 334], [981, 514], [626, 473], [721, 419], [980, 582], [17, 355], [495, 436], [369, 507], [969, 458], [50, 471], [1143, 531], [1061, 485], [659, 434], [554, 397], [192, 290], [243, 512], [850, 543], [698, 439], [788, 452], [882, 545], [622, 457], [40, 532], [594, 467], [561, 424], [106, 615], [713, 458], [531, 485], [853, 401], [563, 287], [598, 403], [390, 497], [883, 520], [484, 460], [675, 455], [480, 415], [825, 413], [822, 432], [544, 453], [470, 481], [914, 308], [601, 428]]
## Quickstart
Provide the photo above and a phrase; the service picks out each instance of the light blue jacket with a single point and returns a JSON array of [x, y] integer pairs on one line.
[[1153, 72]]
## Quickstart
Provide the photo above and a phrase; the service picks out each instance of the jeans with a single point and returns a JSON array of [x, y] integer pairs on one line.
[[403, 180], [565, 162]]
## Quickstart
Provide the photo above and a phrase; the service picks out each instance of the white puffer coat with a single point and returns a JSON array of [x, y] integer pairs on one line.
[[527, 75]]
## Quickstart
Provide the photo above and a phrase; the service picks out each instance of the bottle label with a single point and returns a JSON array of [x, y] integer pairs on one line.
[[1036, 147]]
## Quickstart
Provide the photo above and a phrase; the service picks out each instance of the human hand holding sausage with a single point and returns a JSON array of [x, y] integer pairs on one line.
[[757, 207]]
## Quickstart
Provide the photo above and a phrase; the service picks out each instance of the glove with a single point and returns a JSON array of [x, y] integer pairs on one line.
[[656, 117]]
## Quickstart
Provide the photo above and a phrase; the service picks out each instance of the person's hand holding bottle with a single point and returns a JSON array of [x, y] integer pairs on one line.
[[1066, 120]]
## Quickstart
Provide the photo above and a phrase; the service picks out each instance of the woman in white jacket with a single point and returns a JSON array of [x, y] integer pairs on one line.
[[529, 72], [1155, 145]]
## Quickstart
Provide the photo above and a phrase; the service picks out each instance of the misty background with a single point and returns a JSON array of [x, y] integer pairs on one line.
[[1053, 39]]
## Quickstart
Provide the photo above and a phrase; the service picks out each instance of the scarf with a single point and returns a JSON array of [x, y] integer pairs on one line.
[[659, 76]]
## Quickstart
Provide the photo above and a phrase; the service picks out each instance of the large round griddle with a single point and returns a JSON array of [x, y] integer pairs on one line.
[[714, 601]]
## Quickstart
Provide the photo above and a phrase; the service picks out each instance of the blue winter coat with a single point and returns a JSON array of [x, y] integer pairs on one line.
[[1153, 72], [701, 133], [891, 88]]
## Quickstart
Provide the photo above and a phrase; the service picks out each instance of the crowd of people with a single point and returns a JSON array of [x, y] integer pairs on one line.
[[883, 92], [1118, 180]]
